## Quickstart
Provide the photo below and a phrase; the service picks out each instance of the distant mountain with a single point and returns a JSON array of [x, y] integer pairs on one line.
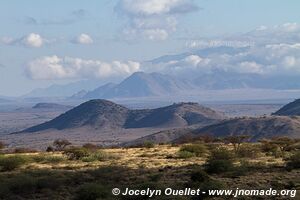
[[79, 95], [290, 109], [141, 84], [51, 106], [64, 90], [103, 114], [99, 92]]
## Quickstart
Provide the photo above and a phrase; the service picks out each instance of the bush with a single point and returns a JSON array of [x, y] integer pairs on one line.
[[199, 176], [2, 145], [50, 149], [61, 144], [76, 153], [9, 163], [197, 149], [90, 146], [148, 144], [44, 158], [92, 191], [220, 161], [24, 150], [294, 161], [248, 151], [97, 156], [185, 154]]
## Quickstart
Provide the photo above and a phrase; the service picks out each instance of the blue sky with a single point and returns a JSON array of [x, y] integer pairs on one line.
[[113, 37]]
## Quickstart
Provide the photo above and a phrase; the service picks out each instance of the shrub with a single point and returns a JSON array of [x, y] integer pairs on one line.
[[97, 156], [90, 146], [185, 154], [76, 153], [199, 176], [61, 144], [50, 149], [248, 151], [44, 158], [22, 184], [220, 161], [236, 141], [197, 149], [294, 161], [9, 163], [2, 145], [92, 191], [148, 144], [24, 150]]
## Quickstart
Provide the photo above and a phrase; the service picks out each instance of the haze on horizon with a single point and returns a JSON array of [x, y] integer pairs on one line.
[[109, 40]]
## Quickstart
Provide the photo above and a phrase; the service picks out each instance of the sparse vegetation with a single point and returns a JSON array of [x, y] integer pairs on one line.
[[220, 161], [9, 163], [294, 161], [197, 149], [78, 175]]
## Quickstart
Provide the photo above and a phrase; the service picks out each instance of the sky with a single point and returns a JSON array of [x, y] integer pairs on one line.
[[45, 42]]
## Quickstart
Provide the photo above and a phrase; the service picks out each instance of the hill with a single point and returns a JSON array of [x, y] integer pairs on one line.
[[50, 106], [257, 128], [103, 114], [290, 109]]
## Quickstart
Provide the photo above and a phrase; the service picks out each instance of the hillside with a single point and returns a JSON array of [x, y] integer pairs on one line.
[[290, 109], [257, 128], [103, 114]]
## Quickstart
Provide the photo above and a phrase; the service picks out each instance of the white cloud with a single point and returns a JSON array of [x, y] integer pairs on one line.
[[54, 67], [153, 19], [31, 40], [83, 39]]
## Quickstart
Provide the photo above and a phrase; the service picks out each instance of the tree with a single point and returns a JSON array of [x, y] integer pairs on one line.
[[61, 144], [236, 141]]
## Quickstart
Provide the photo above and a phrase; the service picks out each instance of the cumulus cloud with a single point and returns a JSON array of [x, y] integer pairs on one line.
[[31, 40], [83, 39], [153, 19], [54, 67]]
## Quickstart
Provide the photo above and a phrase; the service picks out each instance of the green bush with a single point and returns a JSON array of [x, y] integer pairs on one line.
[[185, 154], [92, 191], [9, 163], [220, 161], [97, 156], [196, 149], [45, 158], [77, 153], [199, 176], [293, 162], [22, 184], [248, 151]]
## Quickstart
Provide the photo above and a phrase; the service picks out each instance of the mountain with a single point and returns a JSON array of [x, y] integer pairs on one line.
[[257, 128], [51, 106], [99, 92], [63, 90], [103, 114], [290, 109], [141, 84]]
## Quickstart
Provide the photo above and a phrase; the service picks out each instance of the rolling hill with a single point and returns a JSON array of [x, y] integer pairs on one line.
[[103, 114], [290, 109]]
